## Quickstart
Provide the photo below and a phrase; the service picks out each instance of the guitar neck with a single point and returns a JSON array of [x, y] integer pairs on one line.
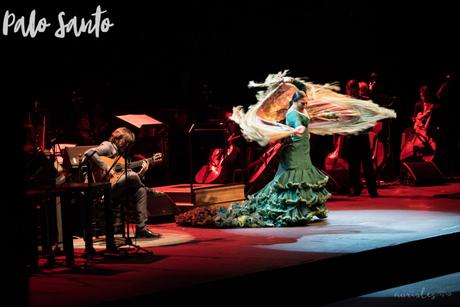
[[139, 163]]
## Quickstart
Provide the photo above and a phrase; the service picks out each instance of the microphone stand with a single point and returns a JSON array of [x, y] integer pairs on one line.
[[190, 131]]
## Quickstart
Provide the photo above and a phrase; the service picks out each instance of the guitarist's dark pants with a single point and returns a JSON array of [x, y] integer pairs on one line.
[[357, 151], [132, 194]]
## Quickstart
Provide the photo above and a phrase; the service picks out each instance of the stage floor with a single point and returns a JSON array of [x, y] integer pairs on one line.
[[186, 257]]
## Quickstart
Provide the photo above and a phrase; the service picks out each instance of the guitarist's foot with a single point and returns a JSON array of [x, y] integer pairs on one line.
[[146, 233]]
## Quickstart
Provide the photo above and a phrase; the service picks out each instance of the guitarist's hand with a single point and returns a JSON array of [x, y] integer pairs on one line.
[[144, 168], [108, 175]]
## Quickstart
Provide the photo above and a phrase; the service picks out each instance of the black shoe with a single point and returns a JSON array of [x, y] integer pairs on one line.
[[374, 194], [355, 191], [146, 233]]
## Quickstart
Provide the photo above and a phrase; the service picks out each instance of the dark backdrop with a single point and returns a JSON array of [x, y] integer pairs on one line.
[[185, 62]]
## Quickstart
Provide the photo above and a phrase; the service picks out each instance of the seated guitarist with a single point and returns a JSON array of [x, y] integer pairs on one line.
[[134, 190]]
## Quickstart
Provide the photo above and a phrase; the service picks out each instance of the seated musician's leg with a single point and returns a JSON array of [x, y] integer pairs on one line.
[[140, 202], [130, 188]]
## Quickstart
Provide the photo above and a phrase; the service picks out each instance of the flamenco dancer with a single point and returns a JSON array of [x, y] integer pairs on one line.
[[287, 111]]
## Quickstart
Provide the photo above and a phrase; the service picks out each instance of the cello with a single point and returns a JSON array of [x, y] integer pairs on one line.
[[213, 171]]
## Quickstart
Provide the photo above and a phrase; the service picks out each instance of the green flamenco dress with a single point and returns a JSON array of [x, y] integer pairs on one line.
[[295, 196]]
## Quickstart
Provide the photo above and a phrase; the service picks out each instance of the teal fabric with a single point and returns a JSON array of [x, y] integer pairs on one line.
[[294, 197]]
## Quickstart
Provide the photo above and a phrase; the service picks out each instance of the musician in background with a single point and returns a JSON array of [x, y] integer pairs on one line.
[[357, 152], [419, 140], [375, 88], [128, 187], [423, 111]]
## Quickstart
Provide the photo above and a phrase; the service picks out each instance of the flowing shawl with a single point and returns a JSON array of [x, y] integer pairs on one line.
[[330, 112]]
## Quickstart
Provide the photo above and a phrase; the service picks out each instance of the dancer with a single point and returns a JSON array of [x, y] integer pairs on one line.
[[297, 194]]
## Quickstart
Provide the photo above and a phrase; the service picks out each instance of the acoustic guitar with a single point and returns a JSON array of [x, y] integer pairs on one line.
[[117, 166]]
